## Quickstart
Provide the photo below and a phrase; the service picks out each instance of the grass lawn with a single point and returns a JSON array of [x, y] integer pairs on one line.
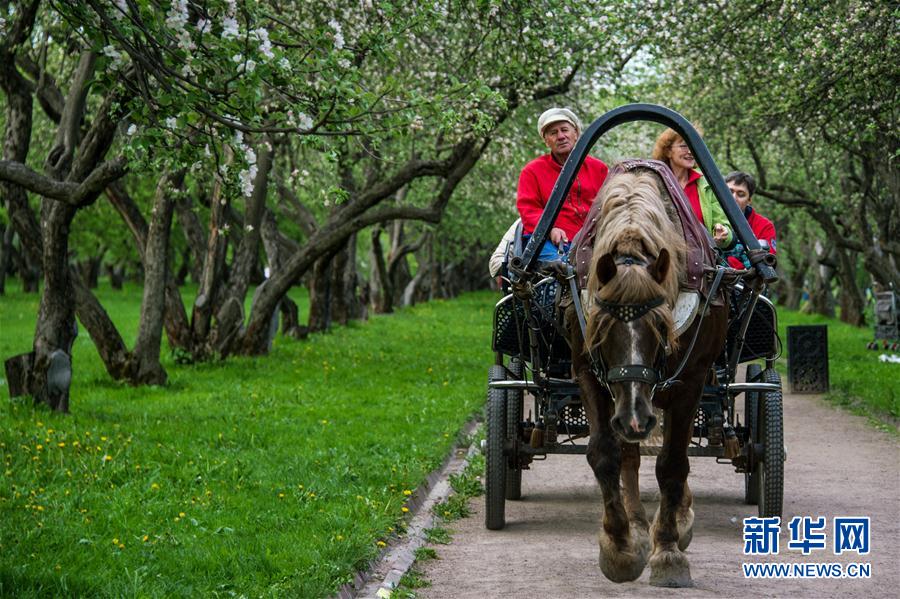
[[859, 380], [273, 476]]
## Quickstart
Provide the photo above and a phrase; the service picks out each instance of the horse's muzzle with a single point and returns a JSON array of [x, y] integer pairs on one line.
[[633, 428]]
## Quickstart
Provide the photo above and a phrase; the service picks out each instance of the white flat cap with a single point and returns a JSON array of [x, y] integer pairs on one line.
[[554, 115]]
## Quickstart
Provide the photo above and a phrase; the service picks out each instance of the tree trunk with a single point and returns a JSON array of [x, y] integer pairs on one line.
[[178, 329], [345, 284], [146, 367], [382, 292], [320, 295], [56, 328], [212, 275], [247, 253], [193, 233], [821, 298], [90, 270], [6, 250]]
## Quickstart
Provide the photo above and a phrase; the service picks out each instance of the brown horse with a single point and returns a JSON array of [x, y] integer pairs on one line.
[[638, 260]]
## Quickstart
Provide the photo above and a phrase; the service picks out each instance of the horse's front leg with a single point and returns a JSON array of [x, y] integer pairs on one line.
[[624, 547], [624, 543], [671, 530]]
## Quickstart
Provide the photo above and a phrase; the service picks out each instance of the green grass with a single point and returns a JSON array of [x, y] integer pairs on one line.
[[858, 380], [271, 476]]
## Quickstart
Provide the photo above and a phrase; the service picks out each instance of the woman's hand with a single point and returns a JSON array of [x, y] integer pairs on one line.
[[720, 234]]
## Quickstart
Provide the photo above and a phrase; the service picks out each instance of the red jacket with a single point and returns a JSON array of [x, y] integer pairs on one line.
[[537, 181], [762, 228]]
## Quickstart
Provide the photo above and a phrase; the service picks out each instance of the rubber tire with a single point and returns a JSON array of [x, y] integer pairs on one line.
[[513, 418], [751, 413], [771, 434], [494, 460]]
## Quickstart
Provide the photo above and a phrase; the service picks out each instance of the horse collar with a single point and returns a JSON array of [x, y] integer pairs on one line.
[[629, 312]]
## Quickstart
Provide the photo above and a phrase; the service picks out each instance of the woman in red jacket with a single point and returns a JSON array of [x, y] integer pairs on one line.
[[559, 128]]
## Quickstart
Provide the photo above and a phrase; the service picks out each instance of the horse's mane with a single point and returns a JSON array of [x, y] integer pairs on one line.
[[635, 219]]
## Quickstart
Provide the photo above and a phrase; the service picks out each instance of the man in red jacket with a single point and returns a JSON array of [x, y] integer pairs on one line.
[[559, 128], [742, 186]]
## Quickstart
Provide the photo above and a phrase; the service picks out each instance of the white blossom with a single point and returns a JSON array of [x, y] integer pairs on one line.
[[304, 121], [251, 65], [284, 64], [132, 130], [249, 228], [247, 176], [417, 123], [338, 34], [202, 24], [177, 17], [111, 51], [238, 57], [344, 63], [230, 28], [265, 46], [185, 42], [171, 122]]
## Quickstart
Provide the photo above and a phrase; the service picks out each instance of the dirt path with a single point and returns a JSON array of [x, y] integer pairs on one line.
[[837, 466]]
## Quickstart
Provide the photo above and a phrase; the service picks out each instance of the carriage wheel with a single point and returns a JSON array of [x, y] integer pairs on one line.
[[771, 435], [494, 460], [513, 418], [751, 407]]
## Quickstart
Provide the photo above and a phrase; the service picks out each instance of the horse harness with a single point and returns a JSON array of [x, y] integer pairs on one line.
[[638, 373]]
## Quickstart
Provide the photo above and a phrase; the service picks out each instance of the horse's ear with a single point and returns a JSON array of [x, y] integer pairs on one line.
[[659, 268], [606, 268]]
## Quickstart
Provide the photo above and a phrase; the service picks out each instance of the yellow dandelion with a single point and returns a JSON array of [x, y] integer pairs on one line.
[[107, 458], [404, 509], [407, 492], [40, 423], [60, 444], [181, 514], [39, 447], [281, 496], [115, 541], [121, 545], [381, 544], [154, 487], [50, 431], [145, 538], [102, 438], [40, 508], [339, 537], [177, 519]]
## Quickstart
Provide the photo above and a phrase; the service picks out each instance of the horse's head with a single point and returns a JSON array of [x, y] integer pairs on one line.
[[634, 340], [633, 283]]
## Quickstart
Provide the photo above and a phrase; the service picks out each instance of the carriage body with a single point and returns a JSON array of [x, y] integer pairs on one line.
[[533, 362]]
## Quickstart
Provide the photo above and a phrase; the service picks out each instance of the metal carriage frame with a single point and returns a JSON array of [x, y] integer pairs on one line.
[[528, 335]]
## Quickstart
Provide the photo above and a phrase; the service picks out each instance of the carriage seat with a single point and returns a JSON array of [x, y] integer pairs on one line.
[[700, 246]]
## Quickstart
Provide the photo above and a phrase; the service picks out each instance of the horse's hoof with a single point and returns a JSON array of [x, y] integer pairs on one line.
[[685, 529], [626, 563], [670, 569]]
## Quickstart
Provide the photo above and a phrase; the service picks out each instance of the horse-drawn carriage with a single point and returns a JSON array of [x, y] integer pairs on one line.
[[665, 325]]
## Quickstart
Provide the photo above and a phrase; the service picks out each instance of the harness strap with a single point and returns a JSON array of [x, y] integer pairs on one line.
[[597, 365], [633, 372], [672, 380]]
